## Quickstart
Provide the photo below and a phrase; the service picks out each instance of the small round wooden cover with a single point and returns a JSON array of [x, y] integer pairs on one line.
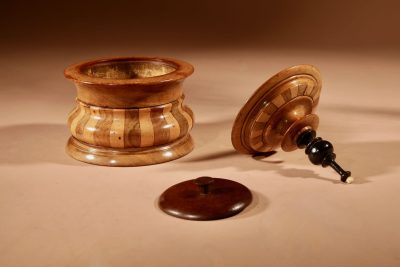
[[205, 198], [273, 114]]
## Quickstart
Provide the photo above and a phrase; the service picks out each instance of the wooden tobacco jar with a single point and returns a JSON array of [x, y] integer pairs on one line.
[[129, 111]]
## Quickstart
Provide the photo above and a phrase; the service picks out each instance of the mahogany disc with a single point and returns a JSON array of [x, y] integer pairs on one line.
[[205, 198]]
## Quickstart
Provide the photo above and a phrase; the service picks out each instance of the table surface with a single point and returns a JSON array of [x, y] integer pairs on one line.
[[55, 211]]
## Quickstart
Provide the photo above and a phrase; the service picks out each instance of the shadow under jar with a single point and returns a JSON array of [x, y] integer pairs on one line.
[[129, 111]]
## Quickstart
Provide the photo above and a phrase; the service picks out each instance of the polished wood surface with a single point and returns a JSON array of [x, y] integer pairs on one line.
[[278, 110], [281, 113], [127, 128], [130, 156], [129, 82], [57, 211], [129, 111], [205, 198]]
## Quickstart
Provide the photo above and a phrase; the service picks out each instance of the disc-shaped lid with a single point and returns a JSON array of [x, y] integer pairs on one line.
[[205, 198]]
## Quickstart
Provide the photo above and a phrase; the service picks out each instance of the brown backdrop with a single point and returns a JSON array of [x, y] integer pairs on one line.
[[356, 24]]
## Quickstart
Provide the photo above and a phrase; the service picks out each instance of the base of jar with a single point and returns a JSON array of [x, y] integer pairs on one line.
[[129, 157]]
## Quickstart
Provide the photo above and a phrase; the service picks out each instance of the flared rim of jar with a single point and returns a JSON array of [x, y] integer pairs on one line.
[[170, 70]]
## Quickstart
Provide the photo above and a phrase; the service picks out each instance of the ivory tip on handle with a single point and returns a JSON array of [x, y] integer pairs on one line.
[[349, 180]]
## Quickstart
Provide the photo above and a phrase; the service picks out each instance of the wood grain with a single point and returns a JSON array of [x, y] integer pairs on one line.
[[127, 106], [285, 100], [127, 128]]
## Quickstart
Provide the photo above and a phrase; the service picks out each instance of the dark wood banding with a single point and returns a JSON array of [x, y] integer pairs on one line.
[[102, 138], [132, 128], [161, 132], [129, 111]]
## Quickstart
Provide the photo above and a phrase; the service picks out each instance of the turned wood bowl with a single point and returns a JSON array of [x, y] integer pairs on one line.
[[129, 111]]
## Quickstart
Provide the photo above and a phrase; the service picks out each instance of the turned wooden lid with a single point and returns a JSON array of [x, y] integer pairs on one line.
[[205, 198], [278, 111]]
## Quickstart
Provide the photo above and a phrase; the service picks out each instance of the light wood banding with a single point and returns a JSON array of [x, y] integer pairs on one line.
[[129, 157], [171, 123], [268, 115], [126, 128], [129, 111], [117, 129]]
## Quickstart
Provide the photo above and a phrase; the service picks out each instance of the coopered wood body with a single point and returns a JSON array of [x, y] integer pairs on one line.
[[129, 111]]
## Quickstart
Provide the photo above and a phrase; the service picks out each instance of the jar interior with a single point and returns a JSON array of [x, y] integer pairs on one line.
[[128, 69]]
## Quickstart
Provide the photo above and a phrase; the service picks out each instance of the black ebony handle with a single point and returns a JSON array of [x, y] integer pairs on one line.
[[320, 152]]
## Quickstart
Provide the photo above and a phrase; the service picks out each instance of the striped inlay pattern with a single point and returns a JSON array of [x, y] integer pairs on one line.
[[130, 128], [306, 87]]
